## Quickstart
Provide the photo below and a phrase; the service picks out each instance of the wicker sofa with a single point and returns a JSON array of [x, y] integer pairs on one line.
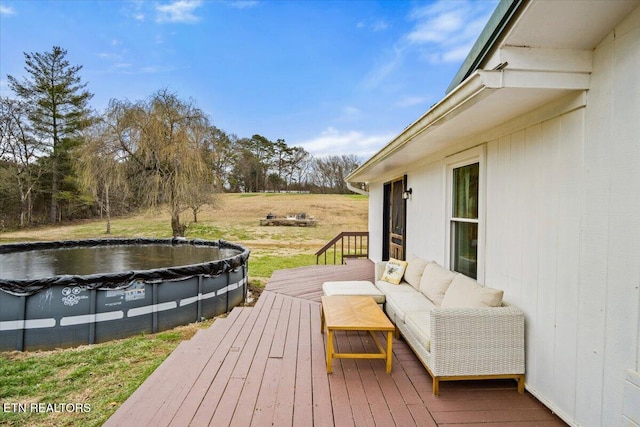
[[459, 329]]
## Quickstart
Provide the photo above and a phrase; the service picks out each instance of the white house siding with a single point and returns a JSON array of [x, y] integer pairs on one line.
[[376, 194], [562, 234], [533, 236], [425, 213], [610, 252]]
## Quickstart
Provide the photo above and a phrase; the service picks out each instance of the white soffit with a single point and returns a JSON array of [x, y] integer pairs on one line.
[[485, 100], [568, 24]]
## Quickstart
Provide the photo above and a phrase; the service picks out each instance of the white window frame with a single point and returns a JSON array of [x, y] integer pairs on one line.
[[465, 158]]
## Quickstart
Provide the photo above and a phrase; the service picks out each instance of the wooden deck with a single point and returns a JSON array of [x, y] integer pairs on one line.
[[265, 365]]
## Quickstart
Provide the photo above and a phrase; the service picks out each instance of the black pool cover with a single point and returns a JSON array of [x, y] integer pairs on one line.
[[117, 280]]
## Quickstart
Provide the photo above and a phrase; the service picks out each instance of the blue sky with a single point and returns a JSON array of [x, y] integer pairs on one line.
[[337, 77]]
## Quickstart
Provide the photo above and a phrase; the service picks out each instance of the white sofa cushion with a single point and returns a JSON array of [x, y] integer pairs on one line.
[[414, 270], [354, 287], [465, 292], [394, 271], [406, 302], [420, 324], [435, 281], [389, 288]]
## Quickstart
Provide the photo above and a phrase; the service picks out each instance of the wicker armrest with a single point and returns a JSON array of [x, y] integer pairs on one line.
[[477, 341]]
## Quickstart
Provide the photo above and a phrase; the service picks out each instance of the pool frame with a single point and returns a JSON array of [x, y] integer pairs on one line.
[[67, 311]]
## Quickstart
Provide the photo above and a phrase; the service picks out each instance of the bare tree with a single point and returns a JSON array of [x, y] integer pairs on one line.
[[101, 167], [22, 151], [163, 139], [330, 172]]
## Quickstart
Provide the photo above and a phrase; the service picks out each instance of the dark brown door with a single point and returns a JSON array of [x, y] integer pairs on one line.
[[395, 219]]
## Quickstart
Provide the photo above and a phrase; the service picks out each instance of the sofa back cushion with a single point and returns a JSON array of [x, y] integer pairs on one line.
[[414, 270], [435, 281], [394, 271], [465, 292]]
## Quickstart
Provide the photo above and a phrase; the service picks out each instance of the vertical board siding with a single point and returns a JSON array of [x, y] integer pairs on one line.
[[425, 213], [594, 247], [624, 223], [568, 272], [376, 192], [533, 244]]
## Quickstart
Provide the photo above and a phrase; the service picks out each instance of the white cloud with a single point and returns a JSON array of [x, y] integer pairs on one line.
[[134, 9], [6, 10], [243, 4], [335, 142], [438, 32], [410, 101], [178, 11], [446, 30], [381, 71], [350, 113]]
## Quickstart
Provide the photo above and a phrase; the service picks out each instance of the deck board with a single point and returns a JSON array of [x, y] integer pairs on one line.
[[266, 365]]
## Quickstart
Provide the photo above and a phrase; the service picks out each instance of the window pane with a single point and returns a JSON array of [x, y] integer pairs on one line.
[[397, 210], [465, 191], [465, 248]]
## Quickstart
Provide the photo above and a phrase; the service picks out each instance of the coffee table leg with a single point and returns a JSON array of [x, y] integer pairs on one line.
[[329, 350], [322, 320], [389, 351]]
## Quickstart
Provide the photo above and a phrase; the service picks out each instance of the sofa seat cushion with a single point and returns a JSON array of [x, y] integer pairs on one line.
[[419, 322], [407, 302], [389, 288], [435, 281], [465, 292], [354, 287]]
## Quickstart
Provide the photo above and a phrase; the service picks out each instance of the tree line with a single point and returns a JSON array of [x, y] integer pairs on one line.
[[60, 161]]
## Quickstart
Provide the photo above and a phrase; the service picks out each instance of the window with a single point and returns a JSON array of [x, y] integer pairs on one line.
[[465, 218]]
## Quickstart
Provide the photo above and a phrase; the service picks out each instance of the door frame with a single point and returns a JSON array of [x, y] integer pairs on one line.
[[387, 209]]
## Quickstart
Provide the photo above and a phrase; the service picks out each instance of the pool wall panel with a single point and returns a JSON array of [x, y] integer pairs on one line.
[[75, 314]]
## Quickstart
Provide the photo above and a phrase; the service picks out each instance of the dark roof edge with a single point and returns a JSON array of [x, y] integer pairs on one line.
[[499, 20]]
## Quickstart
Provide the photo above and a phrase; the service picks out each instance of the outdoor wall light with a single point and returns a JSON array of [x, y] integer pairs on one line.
[[407, 194]]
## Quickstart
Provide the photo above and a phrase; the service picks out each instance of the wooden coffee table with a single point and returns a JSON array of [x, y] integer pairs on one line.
[[355, 313]]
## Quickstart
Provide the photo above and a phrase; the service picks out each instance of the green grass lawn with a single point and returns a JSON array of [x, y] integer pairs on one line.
[[99, 378]]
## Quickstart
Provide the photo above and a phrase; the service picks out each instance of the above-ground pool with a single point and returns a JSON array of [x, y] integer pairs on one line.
[[69, 293]]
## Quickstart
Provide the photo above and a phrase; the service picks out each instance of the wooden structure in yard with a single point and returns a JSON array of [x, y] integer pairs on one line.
[[266, 365], [300, 220]]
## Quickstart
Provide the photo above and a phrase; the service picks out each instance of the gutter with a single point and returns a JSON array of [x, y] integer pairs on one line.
[[464, 92], [356, 189]]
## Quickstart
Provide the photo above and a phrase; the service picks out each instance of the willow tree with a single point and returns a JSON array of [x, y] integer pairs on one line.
[[163, 139], [101, 167], [57, 102]]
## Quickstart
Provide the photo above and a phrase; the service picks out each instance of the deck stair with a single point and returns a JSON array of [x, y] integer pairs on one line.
[[346, 245]]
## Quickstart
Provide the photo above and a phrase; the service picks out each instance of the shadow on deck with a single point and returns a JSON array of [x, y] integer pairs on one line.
[[266, 365]]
